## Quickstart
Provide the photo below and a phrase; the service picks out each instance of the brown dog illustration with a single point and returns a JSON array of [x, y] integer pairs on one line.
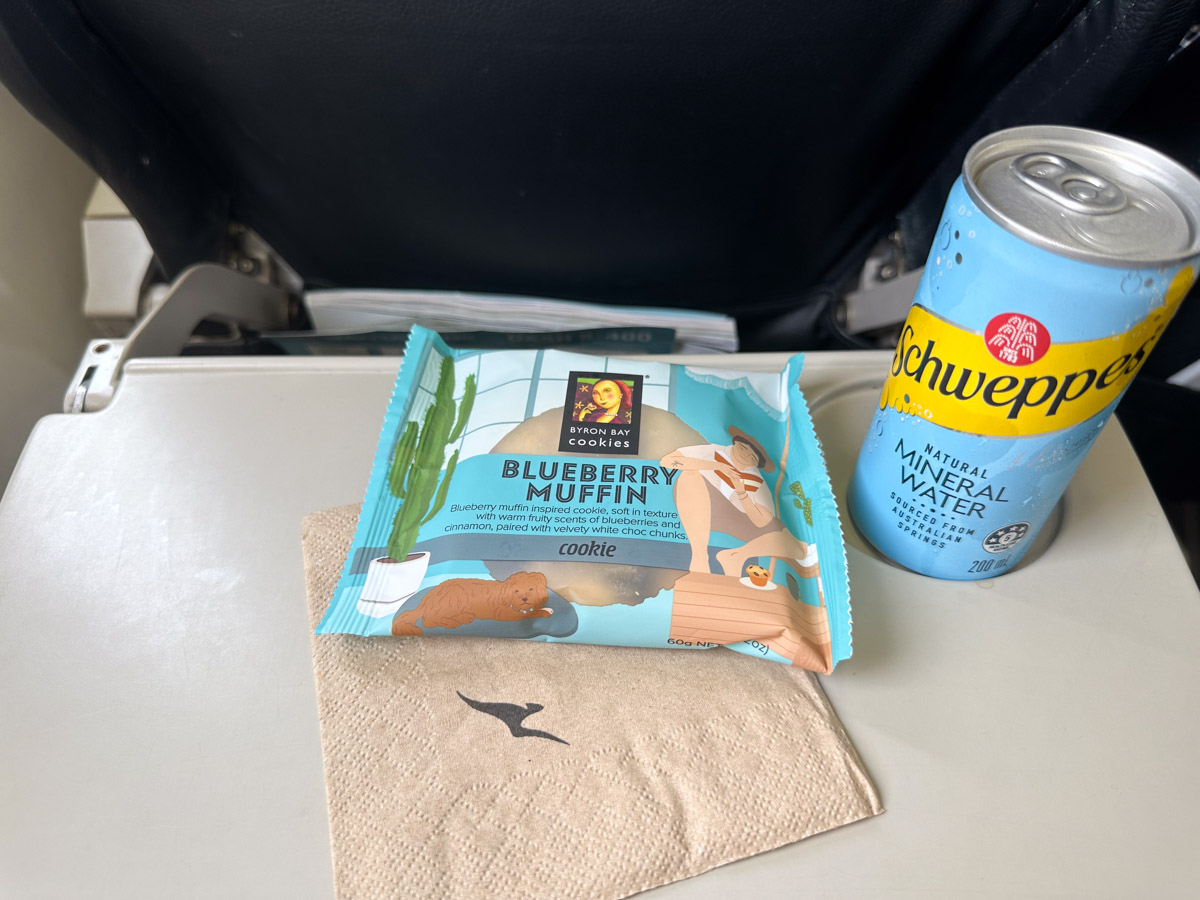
[[461, 601]]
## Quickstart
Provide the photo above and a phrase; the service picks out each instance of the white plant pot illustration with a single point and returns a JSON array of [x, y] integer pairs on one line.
[[390, 583]]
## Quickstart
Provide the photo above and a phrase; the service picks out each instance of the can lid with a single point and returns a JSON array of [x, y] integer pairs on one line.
[[1086, 195]]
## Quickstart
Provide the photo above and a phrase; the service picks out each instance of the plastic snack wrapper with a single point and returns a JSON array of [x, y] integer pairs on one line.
[[554, 496]]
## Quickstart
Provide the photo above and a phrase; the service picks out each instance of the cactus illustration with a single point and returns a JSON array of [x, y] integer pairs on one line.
[[802, 503], [415, 475]]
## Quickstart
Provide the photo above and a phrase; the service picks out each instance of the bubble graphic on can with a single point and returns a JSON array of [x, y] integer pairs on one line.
[[1061, 257]]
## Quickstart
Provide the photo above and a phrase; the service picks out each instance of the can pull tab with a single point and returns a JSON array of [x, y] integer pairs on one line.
[[1069, 184]]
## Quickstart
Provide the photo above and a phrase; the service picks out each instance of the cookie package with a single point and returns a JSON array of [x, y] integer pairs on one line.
[[554, 496]]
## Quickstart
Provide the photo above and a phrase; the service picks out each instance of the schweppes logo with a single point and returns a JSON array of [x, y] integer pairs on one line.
[[1013, 380]]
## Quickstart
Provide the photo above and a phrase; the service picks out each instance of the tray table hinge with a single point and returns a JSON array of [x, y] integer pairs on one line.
[[203, 290]]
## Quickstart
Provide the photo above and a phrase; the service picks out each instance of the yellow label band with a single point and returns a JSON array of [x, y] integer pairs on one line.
[[948, 376]]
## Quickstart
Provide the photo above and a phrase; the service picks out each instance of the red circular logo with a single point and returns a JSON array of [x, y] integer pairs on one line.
[[1016, 339]]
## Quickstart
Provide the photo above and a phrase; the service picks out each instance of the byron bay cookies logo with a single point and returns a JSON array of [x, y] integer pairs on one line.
[[1016, 339], [602, 413]]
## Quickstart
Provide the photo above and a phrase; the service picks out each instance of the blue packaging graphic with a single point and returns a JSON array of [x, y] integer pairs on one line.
[[555, 496]]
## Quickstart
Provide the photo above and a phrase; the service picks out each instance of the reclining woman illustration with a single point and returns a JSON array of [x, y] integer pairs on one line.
[[721, 488]]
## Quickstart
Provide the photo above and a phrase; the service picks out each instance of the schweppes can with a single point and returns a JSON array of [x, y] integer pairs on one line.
[[1060, 258]]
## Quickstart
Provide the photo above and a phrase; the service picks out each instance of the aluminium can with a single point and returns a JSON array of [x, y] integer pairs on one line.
[[1060, 258]]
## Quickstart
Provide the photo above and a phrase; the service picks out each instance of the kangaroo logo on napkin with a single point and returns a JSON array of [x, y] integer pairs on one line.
[[512, 716]]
